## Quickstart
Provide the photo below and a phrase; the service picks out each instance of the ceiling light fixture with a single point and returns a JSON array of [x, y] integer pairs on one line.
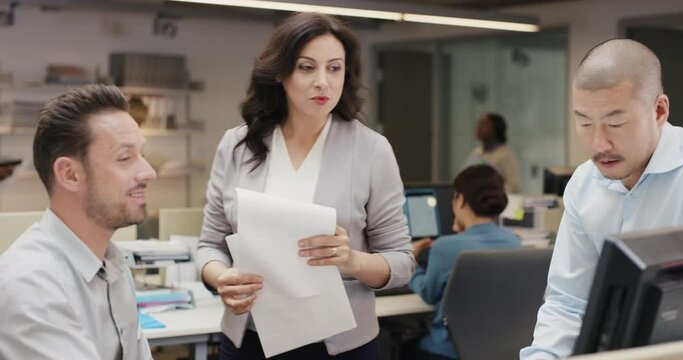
[[376, 14], [283, 6], [477, 23]]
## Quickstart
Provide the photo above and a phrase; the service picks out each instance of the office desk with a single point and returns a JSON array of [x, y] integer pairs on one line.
[[194, 327], [668, 351]]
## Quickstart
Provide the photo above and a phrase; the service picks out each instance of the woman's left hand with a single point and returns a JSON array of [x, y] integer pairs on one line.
[[330, 250]]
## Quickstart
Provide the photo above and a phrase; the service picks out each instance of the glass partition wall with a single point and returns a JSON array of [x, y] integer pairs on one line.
[[521, 76]]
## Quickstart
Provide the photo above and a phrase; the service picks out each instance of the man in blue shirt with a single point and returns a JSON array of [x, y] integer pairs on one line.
[[479, 198], [633, 181]]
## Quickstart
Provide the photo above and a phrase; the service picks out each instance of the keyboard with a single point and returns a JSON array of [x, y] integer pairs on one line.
[[403, 290]]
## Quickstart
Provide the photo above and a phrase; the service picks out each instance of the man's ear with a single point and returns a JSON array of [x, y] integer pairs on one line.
[[68, 173], [661, 109]]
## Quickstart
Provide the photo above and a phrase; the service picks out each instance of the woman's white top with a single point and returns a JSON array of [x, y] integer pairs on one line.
[[286, 181]]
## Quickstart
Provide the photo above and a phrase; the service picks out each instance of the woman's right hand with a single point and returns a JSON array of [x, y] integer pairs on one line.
[[237, 290]]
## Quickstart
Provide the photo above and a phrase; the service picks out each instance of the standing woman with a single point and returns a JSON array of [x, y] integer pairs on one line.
[[301, 141], [492, 133]]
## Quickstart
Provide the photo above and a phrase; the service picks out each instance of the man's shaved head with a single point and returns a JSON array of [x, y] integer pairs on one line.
[[620, 108], [620, 60]]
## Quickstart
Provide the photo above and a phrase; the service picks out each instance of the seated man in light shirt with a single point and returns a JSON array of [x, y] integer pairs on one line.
[[633, 181], [65, 289]]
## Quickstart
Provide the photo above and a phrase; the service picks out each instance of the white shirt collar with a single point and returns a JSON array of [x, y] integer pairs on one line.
[[668, 155]]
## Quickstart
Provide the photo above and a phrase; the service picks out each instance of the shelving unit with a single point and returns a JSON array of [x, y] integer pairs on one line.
[[168, 150]]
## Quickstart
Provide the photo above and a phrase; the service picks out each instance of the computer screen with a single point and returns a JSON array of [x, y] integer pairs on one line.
[[422, 211], [556, 179], [637, 294], [444, 199]]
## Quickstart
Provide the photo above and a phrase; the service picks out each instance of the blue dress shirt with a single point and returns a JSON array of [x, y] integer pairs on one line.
[[430, 283], [596, 207]]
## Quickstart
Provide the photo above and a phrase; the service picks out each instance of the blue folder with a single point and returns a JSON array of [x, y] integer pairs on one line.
[[148, 322]]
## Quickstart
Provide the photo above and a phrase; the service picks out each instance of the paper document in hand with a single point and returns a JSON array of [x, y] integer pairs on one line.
[[299, 304]]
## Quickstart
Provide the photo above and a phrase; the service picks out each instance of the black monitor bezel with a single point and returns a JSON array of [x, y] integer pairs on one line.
[[635, 262], [422, 192]]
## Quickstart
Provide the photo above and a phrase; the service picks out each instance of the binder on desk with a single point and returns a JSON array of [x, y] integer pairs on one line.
[[150, 301], [148, 322]]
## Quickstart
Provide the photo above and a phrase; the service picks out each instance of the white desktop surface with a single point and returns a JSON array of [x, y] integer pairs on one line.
[[205, 318], [401, 305], [668, 351]]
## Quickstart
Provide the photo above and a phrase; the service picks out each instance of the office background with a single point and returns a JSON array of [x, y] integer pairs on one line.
[[220, 52]]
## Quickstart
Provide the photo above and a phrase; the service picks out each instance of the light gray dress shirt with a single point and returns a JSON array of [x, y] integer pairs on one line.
[[359, 177], [59, 301]]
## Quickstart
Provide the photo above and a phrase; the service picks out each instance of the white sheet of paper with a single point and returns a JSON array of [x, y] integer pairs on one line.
[[234, 325], [515, 208], [299, 304]]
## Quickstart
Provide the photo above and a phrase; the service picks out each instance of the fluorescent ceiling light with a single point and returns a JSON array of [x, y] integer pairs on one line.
[[276, 5], [478, 23], [373, 14]]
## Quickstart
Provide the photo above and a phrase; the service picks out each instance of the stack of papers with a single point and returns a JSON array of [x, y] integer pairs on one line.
[[542, 201], [533, 238], [299, 304], [163, 299], [150, 251]]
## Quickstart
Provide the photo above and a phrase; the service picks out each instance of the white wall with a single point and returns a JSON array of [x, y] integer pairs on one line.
[[220, 53]]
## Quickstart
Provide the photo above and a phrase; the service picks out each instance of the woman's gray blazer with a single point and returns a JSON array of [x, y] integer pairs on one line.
[[359, 177]]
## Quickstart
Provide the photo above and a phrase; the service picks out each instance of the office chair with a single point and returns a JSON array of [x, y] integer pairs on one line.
[[180, 221], [14, 224], [491, 301]]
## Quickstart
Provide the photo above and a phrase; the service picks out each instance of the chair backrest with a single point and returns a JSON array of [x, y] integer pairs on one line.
[[126, 233], [491, 301], [180, 221], [13, 224]]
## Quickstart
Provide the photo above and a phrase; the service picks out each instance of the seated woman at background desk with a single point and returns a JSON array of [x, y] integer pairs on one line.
[[478, 198]]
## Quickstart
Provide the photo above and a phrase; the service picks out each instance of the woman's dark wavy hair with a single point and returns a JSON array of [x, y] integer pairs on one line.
[[265, 105], [499, 127], [483, 189]]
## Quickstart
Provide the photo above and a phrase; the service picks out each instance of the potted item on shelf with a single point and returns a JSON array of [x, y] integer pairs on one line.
[[138, 109], [66, 75]]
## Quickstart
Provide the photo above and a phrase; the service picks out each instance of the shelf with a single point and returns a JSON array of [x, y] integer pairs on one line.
[[37, 87], [33, 175], [9, 130], [27, 175], [164, 132], [176, 183], [136, 90], [59, 89]]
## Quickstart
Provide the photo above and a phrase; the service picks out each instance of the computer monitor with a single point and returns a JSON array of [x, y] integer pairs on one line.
[[555, 180], [421, 209], [637, 294], [444, 199]]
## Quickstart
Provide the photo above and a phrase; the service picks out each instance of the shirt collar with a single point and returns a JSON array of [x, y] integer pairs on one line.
[[668, 155], [481, 228], [79, 254]]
